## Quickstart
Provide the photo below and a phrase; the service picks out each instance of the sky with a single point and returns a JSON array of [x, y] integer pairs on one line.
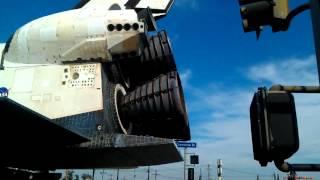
[[221, 67]]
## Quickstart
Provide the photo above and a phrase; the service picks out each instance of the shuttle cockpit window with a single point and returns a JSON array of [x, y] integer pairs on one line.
[[115, 7]]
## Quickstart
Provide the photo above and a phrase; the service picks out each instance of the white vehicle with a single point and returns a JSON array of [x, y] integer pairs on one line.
[[77, 85]]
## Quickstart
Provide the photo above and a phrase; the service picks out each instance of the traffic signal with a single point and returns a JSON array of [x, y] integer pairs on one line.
[[194, 159], [258, 13], [190, 173], [273, 126]]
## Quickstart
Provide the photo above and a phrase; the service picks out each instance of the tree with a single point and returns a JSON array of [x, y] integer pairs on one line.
[[86, 177], [68, 175], [76, 177]]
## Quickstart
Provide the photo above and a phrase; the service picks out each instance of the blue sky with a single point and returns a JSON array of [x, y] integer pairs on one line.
[[221, 67]]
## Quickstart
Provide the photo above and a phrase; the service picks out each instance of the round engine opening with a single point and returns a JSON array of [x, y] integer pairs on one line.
[[124, 123]]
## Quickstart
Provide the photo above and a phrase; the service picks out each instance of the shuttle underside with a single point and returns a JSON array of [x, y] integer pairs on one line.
[[36, 143]]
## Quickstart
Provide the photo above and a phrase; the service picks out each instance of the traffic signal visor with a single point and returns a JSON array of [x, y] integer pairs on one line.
[[258, 13]]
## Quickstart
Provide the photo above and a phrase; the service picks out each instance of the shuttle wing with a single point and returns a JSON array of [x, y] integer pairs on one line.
[[23, 128], [159, 8], [81, 4], [31, 141]]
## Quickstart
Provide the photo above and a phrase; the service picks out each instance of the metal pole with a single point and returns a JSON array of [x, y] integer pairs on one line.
[[134, 174], [155, 175], [287, 167], [184, 163], [219, 169], [148, 172], [102, 174], [296, 89], [315, 17], [118, 174], [208, 171]]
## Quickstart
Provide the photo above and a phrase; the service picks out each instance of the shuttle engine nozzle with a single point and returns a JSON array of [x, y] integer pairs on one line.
[[157, 108]]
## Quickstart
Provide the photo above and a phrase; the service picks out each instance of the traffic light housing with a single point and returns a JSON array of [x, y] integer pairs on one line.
[[194, 159], [274, 126], [258, 13], [190, 173]]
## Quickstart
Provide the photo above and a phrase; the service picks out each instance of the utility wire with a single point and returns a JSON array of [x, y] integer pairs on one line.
[[245, 172], [171, 177]]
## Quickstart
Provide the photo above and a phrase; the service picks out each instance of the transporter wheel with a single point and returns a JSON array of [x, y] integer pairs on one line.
[[112, 94]]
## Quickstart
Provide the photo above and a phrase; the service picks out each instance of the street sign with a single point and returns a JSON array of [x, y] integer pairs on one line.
[[186, 144]]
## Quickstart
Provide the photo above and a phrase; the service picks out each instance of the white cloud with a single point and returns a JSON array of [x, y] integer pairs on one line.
[[286, 71], [308, 113], [188, 4], [185, 76], [224, 129]]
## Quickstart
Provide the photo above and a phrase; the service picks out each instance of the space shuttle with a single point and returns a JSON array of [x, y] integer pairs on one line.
[[93, 87]]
